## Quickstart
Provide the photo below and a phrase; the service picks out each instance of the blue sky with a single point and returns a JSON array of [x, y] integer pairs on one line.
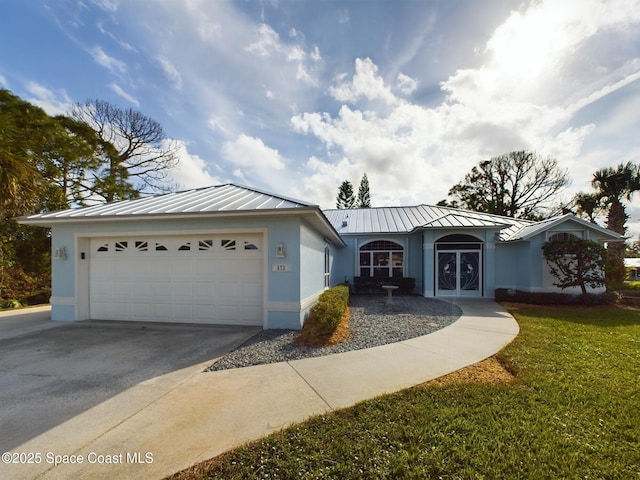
[[297, 96]]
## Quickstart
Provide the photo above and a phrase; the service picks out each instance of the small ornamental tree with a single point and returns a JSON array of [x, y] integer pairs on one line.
[[576, 263]]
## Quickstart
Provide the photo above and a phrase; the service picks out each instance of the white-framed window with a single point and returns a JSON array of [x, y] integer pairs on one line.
[[565, 235], [381, 258], [327, 266]]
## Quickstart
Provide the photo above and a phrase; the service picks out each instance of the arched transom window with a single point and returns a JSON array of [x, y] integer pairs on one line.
[[381, 258], [564, 236]]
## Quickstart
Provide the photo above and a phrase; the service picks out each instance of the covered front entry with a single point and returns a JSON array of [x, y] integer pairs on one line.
[[458, 266], [214, 279]]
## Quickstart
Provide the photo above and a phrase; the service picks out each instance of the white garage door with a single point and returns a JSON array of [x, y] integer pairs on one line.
[[197, 279]]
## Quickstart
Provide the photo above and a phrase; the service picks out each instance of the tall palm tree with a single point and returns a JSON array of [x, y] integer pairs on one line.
[[616, 185]]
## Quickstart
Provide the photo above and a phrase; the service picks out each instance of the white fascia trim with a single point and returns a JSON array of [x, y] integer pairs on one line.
[[168, 233]]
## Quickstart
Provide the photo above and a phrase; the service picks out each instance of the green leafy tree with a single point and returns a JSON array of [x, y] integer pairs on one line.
[[23, 133], [517, 184], [576, 263], [345, 198], [44, 162], [364, 194]]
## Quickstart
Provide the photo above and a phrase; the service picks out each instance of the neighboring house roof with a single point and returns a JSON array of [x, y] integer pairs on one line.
[[408, 219], [219, 200]]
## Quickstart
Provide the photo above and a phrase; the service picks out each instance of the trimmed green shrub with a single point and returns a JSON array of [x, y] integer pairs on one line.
[[543, 298], [330, 308]]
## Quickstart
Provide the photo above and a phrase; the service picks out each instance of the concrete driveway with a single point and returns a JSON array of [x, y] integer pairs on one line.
[[52, 372]]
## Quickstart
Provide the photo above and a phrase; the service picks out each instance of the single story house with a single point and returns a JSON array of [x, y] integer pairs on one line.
[[230, 254], [633, 268]]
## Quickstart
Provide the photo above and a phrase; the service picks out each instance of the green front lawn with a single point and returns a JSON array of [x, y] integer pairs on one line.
[[572, 411]]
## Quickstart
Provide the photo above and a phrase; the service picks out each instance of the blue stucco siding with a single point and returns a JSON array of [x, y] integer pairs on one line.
[[312, 255], [63, 270], [513, 263], [284, 286]]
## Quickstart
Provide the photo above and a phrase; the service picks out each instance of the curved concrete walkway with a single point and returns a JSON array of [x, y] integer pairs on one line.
[[212, 412]]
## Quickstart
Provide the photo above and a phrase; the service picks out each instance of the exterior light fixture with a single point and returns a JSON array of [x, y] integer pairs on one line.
[[280, 250]]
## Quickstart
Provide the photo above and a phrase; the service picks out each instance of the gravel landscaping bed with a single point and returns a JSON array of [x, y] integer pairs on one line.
[[373, 323]]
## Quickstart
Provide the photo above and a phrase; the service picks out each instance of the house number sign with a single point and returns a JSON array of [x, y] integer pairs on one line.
[[281, 267]]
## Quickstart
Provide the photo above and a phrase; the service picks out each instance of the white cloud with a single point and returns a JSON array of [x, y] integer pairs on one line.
[[252, 153], [54, 103], [545, 54], [107, 5], [267, 43], [269, 46], [191, 171], [414, 153], [365, 83], [125, 45], [171, 73], [3, 82], [315, 54], [121, 93], [110, 63], [406, 84]]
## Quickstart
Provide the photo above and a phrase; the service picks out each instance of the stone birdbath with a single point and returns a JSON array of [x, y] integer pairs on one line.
[[390, 289]]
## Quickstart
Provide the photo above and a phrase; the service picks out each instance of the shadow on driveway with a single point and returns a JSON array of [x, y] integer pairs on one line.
[[52, 375]]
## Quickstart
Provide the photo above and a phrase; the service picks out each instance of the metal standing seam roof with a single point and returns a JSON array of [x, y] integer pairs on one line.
[[219, 198], [236, 198], [408, 219], [528, 231]]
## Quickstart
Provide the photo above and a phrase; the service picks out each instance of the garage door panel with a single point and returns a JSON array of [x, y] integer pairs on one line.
[[247, 269], [182, 269], [203, 291], [161, 312], [102, 310], [204, 313], [141, 289], [250, 315], [183, 291], [121, 311], [162, 267], [217, 280], [141, 311], [227, 313], [160, 291]]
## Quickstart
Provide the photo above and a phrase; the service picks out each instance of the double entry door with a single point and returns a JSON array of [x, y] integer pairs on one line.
[[459, 273]]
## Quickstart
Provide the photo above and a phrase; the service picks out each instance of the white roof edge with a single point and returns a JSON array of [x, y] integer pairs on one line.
[[554, 221]]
